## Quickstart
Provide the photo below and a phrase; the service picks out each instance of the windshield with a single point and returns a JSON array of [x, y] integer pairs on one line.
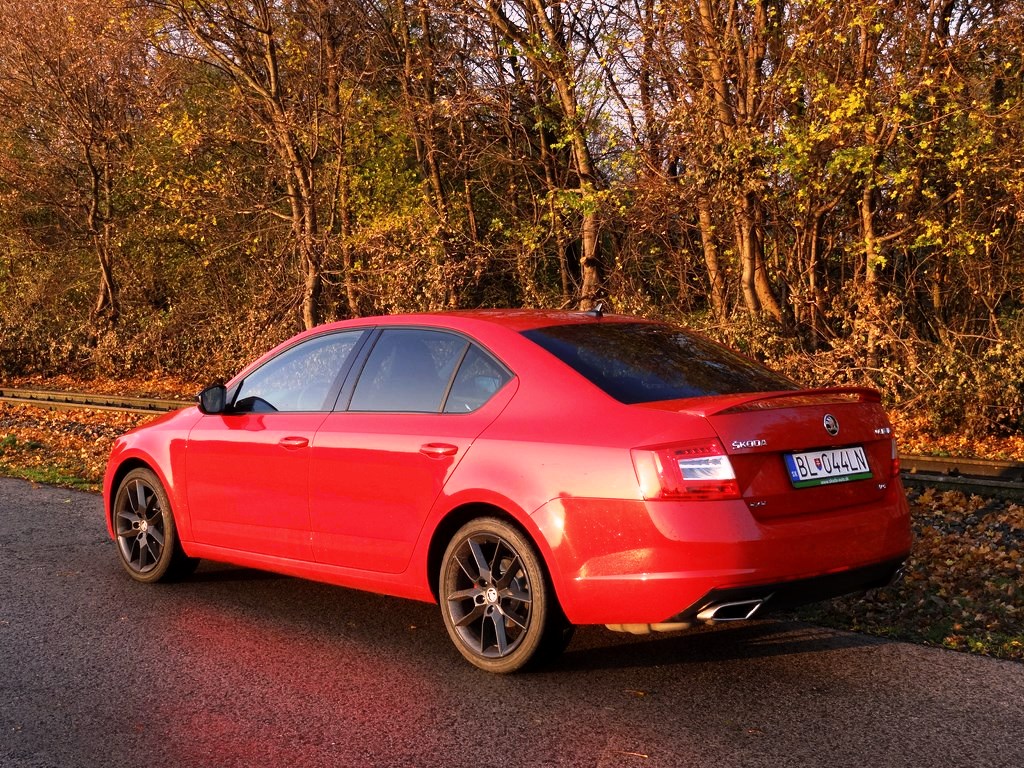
[[646, 362]]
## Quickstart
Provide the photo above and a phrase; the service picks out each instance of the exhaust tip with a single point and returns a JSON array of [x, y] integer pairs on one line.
[[738, 611]]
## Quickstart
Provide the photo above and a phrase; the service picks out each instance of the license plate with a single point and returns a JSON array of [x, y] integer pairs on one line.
[[827, 467]]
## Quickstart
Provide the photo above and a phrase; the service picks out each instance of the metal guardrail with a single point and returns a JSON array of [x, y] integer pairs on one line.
[[54, 400], [984, 477], [955, 466]]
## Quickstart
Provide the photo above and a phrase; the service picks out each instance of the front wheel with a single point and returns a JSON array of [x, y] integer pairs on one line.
[[496, 601], [147, 538]]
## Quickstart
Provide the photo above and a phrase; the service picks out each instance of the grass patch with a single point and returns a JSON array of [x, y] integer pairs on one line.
[[63, 448], [49, 475]]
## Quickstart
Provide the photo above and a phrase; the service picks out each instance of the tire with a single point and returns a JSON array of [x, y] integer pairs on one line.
[[147, 538], [496, 600]]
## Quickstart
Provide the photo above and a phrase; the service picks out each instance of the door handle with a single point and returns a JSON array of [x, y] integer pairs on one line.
[[438, 450], [293, 442]]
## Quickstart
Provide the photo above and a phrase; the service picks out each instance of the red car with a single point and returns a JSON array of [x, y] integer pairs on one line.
[[528, 470]]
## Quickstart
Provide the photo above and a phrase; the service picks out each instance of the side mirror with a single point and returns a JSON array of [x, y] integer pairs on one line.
[[213, 399]]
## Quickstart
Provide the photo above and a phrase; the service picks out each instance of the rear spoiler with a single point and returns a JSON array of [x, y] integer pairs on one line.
[[761, 401]]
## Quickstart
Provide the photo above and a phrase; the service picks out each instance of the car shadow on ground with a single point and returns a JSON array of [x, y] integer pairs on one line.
[[723, 642], [219, 573], [331, 609]]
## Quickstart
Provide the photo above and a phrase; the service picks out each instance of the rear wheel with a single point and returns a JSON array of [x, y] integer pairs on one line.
[[147, 538], [496, 600]]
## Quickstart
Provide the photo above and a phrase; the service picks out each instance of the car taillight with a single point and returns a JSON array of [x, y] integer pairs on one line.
[[697, 470], [895, 460]]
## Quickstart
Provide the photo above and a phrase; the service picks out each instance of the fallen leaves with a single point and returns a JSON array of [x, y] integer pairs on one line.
[[68, 448], [913, 436], [964, 585]]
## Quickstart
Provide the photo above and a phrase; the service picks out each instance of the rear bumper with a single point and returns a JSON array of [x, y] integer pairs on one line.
[[789, 594], [636, 562]]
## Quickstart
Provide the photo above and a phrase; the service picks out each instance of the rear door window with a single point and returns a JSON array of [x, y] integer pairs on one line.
[[417, 370], [480, 376], [408, 370]]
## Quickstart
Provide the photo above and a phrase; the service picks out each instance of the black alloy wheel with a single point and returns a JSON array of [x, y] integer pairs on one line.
[[496, 601], [147, 538]]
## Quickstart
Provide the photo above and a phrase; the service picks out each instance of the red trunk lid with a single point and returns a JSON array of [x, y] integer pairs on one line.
[[758, 431]]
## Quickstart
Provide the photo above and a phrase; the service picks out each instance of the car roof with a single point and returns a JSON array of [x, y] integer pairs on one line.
[[513, 319], [484, 324]]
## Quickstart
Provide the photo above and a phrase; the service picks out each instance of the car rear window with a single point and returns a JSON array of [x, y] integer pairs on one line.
[[647, 362]]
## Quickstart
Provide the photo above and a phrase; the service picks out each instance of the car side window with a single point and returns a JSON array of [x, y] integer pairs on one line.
[[300, 378], [478, 379], [408, 371]]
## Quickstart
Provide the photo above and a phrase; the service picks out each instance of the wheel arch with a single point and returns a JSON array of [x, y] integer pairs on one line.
[[462, 514], [126, 466], [139, 460]]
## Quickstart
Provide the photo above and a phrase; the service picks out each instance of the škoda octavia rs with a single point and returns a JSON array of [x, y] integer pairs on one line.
[[527, 470]]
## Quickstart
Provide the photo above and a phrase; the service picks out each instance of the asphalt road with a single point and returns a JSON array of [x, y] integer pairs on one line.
[[240, 668]]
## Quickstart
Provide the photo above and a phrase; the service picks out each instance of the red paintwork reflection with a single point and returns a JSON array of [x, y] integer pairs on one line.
[[217, 645]]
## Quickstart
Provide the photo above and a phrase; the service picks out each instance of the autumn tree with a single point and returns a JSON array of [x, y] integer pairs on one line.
[[798, 175], [263, 49], [73, 72], [551, 39]]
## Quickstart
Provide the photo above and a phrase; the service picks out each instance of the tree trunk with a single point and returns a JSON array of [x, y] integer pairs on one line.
[[869, 311], [247, 50], [817, 298], [716, 282], [340, 223], [744, 227], [590, 264], [107, 308], [313, 288], [419, 90], [762, 285], [554, 59]]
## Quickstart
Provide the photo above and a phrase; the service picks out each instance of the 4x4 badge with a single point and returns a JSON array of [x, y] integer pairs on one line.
[[831, 424]]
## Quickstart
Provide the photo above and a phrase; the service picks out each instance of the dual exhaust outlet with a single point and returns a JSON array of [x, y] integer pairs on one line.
[[740, 610]]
